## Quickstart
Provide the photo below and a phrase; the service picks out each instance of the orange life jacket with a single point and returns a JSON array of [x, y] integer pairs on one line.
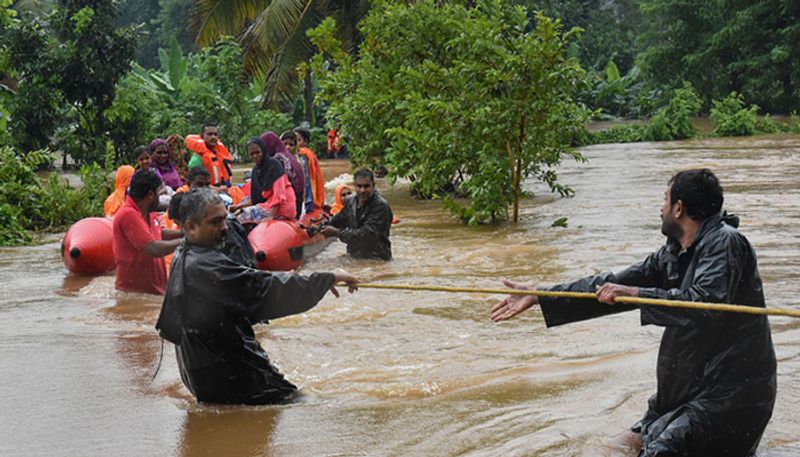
[[213, 161]]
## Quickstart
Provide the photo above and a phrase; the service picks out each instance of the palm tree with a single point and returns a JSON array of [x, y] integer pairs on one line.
[[272, 34]]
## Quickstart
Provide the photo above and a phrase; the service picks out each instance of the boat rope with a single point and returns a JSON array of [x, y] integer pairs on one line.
[[772, 311]]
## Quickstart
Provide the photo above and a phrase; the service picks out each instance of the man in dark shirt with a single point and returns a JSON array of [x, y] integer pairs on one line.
[[716, 370], [212, 302], [364, 222]]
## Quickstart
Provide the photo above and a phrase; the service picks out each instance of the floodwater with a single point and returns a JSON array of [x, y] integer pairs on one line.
[[407, 373]]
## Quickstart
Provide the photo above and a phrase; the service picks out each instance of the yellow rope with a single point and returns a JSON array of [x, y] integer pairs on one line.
[[590, 295]]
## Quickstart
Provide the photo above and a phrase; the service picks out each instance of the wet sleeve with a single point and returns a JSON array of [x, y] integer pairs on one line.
[[716, 276], [376, 223], [559, 311], [260, 295]]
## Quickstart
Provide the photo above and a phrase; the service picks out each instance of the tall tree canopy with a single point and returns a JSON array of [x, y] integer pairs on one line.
[[748, 46]]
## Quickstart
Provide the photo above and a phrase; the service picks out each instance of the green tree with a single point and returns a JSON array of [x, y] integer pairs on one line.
[[68, 65], [273, 37], [720, 46], [443, 94]]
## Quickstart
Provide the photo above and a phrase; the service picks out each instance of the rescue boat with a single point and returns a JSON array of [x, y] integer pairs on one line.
[[284, 245], [87, 247]]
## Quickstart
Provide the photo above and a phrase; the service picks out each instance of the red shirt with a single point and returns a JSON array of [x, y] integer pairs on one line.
[[137, 271]]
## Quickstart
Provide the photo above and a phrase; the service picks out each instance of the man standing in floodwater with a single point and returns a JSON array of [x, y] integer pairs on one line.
[[365, 221], [716, 370], [212, 302]]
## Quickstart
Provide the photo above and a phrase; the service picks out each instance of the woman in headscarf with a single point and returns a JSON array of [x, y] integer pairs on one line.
[[117, 198], [342, 193], [162, 162], [271, 193], [294, 171], [177, 147]]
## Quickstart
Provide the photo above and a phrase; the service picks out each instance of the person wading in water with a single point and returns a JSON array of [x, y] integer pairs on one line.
[[716, 371], [212, 302]]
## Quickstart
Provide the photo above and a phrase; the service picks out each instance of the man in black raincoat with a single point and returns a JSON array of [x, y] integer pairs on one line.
[[364, 222], [716, 370], [212, 301]]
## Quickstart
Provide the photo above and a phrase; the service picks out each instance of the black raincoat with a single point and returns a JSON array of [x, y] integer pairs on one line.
[[716, 370], [365, 230], [210, 306]]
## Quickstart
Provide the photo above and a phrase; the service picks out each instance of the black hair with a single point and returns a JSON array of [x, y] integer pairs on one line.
[[196, 172], [174, 211], [364, 173], [700, 192], [193, 205], [142, 183], [207, 125], [288, 135], [304, 132], [138, 150]]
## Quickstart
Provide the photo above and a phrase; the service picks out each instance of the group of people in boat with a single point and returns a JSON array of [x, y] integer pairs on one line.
[[285, 183], [716, 373]]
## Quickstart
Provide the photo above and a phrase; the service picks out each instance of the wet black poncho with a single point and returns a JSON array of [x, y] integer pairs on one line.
[[716, 370], [208, 312], [366, 230]]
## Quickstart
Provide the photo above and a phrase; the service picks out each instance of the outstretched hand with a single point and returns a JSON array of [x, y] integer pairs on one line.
[[350, 281], [513, 304]]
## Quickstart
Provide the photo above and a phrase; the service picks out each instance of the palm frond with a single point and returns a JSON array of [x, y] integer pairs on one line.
[[276, 43], [212, 19]]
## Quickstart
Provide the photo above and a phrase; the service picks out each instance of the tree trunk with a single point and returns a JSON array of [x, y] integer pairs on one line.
[[308, 94]]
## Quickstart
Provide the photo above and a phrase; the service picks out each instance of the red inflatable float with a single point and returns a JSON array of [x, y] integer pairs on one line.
[[283, 245], [87, 247]]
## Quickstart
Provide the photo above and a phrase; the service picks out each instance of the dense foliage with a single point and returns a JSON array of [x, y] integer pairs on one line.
[[475, 99], [28, 204], [187, 91], [720, 46], [67, 64]]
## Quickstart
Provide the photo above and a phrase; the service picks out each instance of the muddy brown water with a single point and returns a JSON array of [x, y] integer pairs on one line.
[[407, 373]]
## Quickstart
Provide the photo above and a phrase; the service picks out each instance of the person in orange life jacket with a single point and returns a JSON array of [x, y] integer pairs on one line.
[[211, 153], [317, 179], [139, 243]]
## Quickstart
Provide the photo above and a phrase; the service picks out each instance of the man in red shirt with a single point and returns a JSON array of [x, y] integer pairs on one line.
[[139, 243]]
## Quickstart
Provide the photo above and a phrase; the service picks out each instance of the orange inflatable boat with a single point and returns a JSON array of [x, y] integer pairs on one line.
[[87, 247], [283, 245]]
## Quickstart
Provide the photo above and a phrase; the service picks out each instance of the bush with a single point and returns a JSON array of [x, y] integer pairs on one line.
[[732, 118], [30, 205], [674, 121]]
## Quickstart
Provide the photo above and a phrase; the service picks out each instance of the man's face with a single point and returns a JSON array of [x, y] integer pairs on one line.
[[290, 144], [211, 229], [211, 135], [669, 222], [161, 154], [364, 189], [200, 182]]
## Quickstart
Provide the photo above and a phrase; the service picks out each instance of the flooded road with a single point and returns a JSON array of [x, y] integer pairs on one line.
[[408, 373]]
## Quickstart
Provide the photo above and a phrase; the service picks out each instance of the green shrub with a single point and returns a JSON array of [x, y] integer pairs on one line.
[[674, 121], [732, 118]]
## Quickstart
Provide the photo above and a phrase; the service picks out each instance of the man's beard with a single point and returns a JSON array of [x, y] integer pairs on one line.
[[670, 228]]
